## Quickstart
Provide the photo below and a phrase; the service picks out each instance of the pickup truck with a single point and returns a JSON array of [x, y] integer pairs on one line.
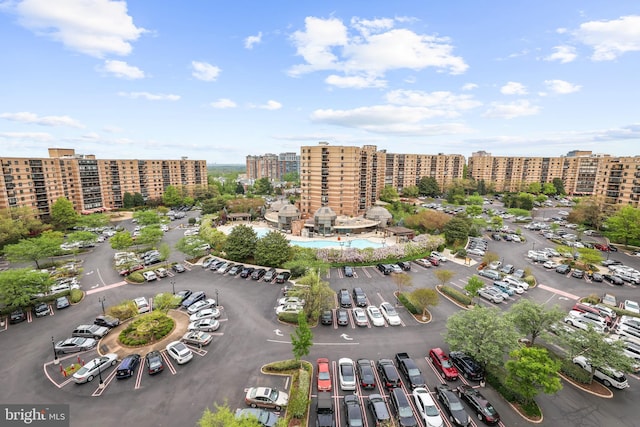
[[410, 370]]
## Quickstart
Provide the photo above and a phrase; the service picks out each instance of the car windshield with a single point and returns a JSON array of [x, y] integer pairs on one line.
[[446, 363], [431, 411], [414, 372], [347, 372], [456, 405], [273, 395], [405, 411]]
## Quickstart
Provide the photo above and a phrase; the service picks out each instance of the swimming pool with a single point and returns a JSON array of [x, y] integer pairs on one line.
[[319, 244]]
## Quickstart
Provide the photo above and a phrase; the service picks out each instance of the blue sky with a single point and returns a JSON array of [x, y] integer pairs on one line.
[[165, 79]]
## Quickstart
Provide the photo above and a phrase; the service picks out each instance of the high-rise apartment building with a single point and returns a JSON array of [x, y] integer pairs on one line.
[[91, 184], [406, 170], [272, 166]]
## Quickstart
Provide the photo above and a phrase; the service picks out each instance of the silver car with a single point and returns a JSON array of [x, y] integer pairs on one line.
[[92, 368], [74, 345], [491, 295]]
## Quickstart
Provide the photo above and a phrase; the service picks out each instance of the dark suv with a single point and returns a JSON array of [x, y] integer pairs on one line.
[[388, 373], [41, 309], [344, 299], [324, 410], [385, 269], [469, 368], [359, 297], [406, 266], [402, 408]]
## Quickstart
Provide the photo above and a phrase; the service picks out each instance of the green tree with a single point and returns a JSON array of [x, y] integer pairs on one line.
[[165, 251], [475, 200], [530, 371], [457, 230], [302, 337], [239, 188], [171, 196], [473, 286], [148, 217], [534, 188], [82, 237], [127, 200], [150, 236], [443, 276], [272, 250], [263, 186], [533, 319], [166, 301], [18, 222], [428, 186], [292, 177], [424, 298], [455, 193], [473, 210], [411, 191], [18, 286], [497, 222], [63, 216], [590, 257], [482, 332], [191, 245], [624, 225], [121, 240], [138, 199], [241, 243], [213, 206], [548, 189], [559, 186], [388, 194], [402, 281], [316, 293], [94, 220], [34, 249]]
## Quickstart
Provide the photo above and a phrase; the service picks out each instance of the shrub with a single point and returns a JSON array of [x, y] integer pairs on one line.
[[456, 295], [575, 372], [494, 378], [530, 280], [299, 399], [76, 296], [148, 328], [461, 253], [283, 366], [136, 277], [123, 311], [288, 318], [591, 299], [408, 304]]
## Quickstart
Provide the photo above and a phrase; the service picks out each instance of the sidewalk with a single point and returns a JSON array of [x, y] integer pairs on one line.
[[110, 344]]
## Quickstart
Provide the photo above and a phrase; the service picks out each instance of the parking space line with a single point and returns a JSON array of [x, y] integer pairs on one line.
[[98, 391], [104, 288], [167, 361], [139, 374], [559, 292]]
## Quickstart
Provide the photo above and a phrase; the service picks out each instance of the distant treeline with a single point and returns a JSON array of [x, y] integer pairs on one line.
[[218, 170]]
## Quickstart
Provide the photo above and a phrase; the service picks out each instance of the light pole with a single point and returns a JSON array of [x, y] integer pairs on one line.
[[55, 353], [101, 385], [173, 286], [217, 300], [533, 246], [102, 300]]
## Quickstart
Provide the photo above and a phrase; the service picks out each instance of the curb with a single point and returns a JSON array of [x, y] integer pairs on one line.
[[578, 386]]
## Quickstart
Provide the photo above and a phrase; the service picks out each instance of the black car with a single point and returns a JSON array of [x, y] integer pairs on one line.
[[342, 317], [154, 362], [465, 364], [359, 297], [107, 321], [184, 294], [485, 411], [353, 411], [270, 275], [366, 376], [246, 272], [194, 297], [128, 366], [344, 299], [563, 269], [283, 277], [324, 410], [614, 280], [388, 373], [404, 265], [178, 268], [385, 269], [258, 273], [17, 316], [402, 408], [378, 409], [41, 309], [452, 406], [326, 318]]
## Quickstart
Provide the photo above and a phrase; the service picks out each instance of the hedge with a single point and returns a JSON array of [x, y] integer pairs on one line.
[[75, 296], [494, 378], [299, 397], [288, 318], [575, 372], [456, 295], [136, 277], [408, 304]]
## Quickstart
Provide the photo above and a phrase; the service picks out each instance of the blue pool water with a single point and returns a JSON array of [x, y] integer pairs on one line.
[[318, 244]]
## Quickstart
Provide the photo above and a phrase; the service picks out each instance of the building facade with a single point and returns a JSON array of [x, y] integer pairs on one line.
[[91, 184], [406, 170], [272, 166]]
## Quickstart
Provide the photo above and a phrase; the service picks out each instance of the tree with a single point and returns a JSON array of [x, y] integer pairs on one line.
[[63, 216], [148, 217], [263, 186], [18, 222], [534, 188], [533, 319], [474, 210], [19, 286], [423, 298], [590, 257], [457, 230], [388, 194], [302, 337], [444, 276], [428, 186], [121, 240], [475, 200], [241, 243], [150, 236], [171, 196], [127, 200], [316, 293], [497, 222], [213, 206], [272, 250], [411, 191], [165, 251], [427, 221], [166, 301], [82, 237], [473, 286], [36, 248], [548, 189], [624, 225], [559, 185], [138, 199], [191, 245], [402, 281], [531, 371], [292, 177], [482, 332]]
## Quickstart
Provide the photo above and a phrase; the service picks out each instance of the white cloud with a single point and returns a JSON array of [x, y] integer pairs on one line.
[[250, 41], [112, 129], [513, 88], [92, 27], [223, 103], [27, 136], [564, 54], [469, 86], [32, 118], [355, 82], [150, 96], [561, 87], [204, 71], [122, 70], [447, 103], [511, 110], [610, 39], [325, 44], [270, 105]]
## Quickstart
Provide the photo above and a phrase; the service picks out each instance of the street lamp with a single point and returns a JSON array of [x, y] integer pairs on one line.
[[101, 385], [102, 300], [217, 300], [173, 286], [55, 353]]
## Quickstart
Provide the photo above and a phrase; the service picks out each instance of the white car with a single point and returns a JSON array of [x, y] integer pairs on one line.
[[179, 352], [290, 300], [289, 308], [426, 408], [631, 306], [360, 317], [201, 305], [149, 276], [207, 313], [375, 316], [514, 281], [438, 256], [208, 325], [477, 252], [550, 264], [191, 232], [390, 314], [92, 368], [347, 374]]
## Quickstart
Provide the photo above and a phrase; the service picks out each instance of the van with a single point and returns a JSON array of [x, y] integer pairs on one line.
[[142, 304], [608, 376], [128, 366]]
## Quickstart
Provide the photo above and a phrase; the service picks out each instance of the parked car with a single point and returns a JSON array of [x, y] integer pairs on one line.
[[41, 309], [342, 317], [614, 280], [270, 275], [197, 337], [489, 274], [90, 331], [202, 305], [390, 314], [266, 397], [631, 306], [326, 318], [62, 302], [179, 352], [402, 408], [491, 294], [378, 408], [74, 345], [482, 407], [466, 365], [162, 272], [452, 406], [323, 374], [348, 271], [207, 313], [291, 300], [236, 269], [264, 417], [443, 364], [178, 268], [154, 364], [385, 269], [258, 274], [128, 366], [106, 321], [208, 325], [94, 367], [375, 315], [346, 374], [359, 297], [360, 317], [353, 411], [563, 269], [283, 276], [193, 298], [366, 376], [609, 377], [426, 408], [389, 375], [344, 298]]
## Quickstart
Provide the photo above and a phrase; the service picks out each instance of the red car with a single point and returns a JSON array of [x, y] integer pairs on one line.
[[324, 376], [442, 362], [127, 271], [434, 261]]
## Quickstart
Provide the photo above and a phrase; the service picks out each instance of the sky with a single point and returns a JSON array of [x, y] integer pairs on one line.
[[218, 81]]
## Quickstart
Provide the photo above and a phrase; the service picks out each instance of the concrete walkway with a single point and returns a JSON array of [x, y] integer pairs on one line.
[[110, 344]]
